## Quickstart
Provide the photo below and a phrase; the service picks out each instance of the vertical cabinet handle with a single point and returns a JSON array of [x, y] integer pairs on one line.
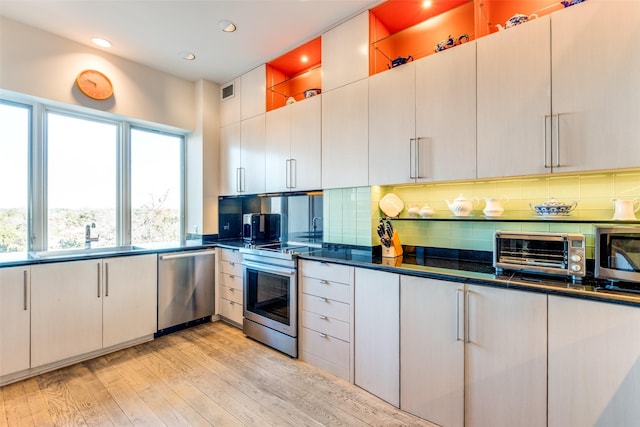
[[412, 148], [459, 337], [467, 337], [98, 279], [417, 159], [557, 158], [106, 279], [545, 155], [25, 286], [292, 173]]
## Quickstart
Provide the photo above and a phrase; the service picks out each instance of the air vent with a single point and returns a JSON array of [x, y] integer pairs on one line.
[[227, 92]]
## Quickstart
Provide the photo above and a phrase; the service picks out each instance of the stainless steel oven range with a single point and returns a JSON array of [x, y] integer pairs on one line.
[[270, 295]]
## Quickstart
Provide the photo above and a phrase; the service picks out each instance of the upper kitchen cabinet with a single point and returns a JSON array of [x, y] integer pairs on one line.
[[514, 100], [345, 53], [293, 144], [242, 157], [595, 58], [345, 136], [295, 76], [402, 31], [446, 114], [230, 103], [252, 93]]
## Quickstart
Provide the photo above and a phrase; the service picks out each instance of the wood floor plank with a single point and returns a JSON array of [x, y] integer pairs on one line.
[[207, 375]]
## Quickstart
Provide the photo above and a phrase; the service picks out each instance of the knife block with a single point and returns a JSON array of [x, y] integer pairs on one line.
[[395, 250]]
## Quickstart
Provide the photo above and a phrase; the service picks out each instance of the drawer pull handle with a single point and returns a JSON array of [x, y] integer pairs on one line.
[[324, 318], [231, 302], [231, 276], [326, 300], [232, 290], [323, 335], [232, 263], [324, 282]]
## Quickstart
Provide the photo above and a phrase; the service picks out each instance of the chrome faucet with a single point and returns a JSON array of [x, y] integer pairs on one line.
[[87, 235], [314, 225]]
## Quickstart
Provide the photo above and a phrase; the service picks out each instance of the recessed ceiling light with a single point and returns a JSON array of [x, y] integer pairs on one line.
[[187, 56], [101, 42], [227, 26]]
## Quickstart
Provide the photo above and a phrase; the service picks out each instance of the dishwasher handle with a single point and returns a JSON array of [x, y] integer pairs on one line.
[[186, 254]]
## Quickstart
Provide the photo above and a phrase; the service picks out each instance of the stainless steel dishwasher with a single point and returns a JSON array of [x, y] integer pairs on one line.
[[185, 289]]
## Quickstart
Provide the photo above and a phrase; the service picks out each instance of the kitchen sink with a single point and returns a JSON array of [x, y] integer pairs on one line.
[[79, 253]]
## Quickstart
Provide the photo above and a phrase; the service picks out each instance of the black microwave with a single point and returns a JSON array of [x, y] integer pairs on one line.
[[617, 253], [261, 227]]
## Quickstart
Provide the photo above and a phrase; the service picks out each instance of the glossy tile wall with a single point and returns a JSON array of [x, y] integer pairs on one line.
[[347, 216]]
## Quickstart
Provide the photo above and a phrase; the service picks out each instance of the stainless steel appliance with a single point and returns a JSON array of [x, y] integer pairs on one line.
[[271, 295], [548, 253], [261, 227], [185, 289], [617, 253]]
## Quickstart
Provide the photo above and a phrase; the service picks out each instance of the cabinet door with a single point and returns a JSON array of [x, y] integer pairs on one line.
[[345, 57], [345, 136], [229, 159], [377, 330], [596, 90], [15, 311], [392, 125], [253, 92], [432, 350], [130, 298], [594, 363], [446, 113], [252, 156], [506, 365], [306, 139], [66, 310], [278, 148], [514, 84]]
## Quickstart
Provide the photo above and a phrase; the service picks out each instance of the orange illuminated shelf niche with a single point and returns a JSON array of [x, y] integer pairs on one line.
[[403, 28], [290, 76]]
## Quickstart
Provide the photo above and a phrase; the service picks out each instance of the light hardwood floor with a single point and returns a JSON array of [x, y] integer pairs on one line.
[[208, 375]]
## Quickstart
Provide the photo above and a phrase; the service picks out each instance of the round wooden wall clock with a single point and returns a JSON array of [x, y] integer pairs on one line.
[[94, 84]]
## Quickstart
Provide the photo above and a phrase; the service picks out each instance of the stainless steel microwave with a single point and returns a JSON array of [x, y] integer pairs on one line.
[[617, 253]]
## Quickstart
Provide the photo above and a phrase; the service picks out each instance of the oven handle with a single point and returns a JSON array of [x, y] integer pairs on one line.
[[269, 268]]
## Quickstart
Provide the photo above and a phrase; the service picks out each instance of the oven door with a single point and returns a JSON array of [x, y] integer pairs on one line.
[[270, 296]]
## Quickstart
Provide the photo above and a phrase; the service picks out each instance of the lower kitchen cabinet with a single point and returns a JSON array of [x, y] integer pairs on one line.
[[79, 307], [594, 363], [326, 317], [230, 285], [377, 327], [15, 313], [472, 355]]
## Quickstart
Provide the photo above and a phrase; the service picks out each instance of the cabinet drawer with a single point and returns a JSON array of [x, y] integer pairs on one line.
[[325, 352], [231, 294], [231, 280], [231, 267], [230, 255], [328, 307], [326, 325], [327, 271], [327, 289], [231, 310]]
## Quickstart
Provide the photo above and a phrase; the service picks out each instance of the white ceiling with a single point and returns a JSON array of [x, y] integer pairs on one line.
[[154, 32]]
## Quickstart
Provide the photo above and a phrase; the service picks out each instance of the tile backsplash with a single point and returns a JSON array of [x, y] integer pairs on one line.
[[352, 214]]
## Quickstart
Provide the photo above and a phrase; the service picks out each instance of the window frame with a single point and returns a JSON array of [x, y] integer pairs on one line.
[[37, 206]]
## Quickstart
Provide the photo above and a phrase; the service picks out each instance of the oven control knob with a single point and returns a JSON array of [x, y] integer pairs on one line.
[[576, 267], [576, 258]]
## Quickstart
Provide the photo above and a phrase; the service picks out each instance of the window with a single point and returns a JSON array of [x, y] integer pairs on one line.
[[15, 123], [80, 169], [81, 181], [156, 180]]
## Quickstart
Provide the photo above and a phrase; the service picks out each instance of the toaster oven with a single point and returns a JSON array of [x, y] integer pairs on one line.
[[540, 252]]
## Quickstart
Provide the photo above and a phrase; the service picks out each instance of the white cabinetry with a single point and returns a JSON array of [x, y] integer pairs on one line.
[[83, 306], [230, 285], [514, 100], [392, 127], [230, 106], [15, 312], [129, 307], [326, 317], [253, 93], [293, 140], [446, 113], [345, 136], [473, 355], [595, 86], [377, 329], [345, 53], [594, 363], [242, 157]]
